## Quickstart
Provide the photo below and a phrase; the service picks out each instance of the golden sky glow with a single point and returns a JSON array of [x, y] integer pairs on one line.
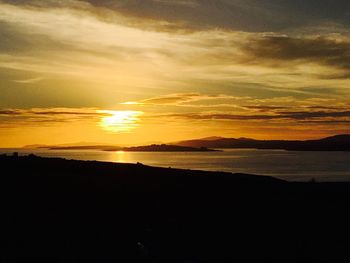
[[130, 72]]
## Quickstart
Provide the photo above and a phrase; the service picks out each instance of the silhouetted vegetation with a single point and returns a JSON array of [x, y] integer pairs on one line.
[[57, 210]]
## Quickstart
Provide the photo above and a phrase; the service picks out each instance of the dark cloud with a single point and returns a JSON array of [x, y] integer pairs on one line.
[[275, 49], [9, 112], [16, 117], [302, 115], [318, 107], [330, 122], [52, 113], [18, 40], [264, 108], [57, 115], [249, 15], [295, 116]]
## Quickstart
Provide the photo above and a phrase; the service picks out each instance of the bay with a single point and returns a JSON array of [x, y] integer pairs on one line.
[[288, 165]]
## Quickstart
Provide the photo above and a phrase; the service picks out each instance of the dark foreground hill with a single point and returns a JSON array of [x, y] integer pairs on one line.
[[55, 210], [334, 143]]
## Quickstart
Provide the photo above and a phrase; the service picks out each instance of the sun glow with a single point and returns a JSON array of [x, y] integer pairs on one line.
[[119, 121]]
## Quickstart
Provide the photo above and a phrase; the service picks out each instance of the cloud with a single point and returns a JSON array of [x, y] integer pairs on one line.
[[274, 105], [333, 51], [265, 108], [241, 15], [181, 99], [110, 121], [10, 112], [171, 99], [319, 116], [225, 63], [274, 113], [111, 50], [186, 3], [102, 48], [246, 15], [40, 116], [303, 115], [53, 111], [28, 81]]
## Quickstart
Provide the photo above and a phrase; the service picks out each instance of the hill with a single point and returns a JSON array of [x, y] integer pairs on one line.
[[166, 148], [334, 143], [55, 210], [146, 148]]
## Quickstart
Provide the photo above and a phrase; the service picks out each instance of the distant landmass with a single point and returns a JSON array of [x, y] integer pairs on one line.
[[86, 147], [334, 143], [146, 148], [208, 144], [166, 148]]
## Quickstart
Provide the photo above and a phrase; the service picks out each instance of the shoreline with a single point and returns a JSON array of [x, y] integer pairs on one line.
[[270, 162], [91, 211]]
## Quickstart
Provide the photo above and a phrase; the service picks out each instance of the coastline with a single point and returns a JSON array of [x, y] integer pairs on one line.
[[93, 211], [290, 166]]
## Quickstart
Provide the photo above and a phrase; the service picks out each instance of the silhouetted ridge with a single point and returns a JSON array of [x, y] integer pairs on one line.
[[166, 148], [334, 143], [146, 148], [56, 210], [338, 138]]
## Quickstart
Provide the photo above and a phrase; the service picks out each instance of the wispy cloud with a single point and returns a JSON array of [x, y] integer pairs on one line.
[[249, 104], [48, 116], [181, 99], [341, 116], [28, 81]]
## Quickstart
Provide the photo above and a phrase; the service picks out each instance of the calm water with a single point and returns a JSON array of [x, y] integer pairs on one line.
[[296, 166]]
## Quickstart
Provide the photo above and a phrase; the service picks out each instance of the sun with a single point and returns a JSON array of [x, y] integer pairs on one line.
[[119, 121]]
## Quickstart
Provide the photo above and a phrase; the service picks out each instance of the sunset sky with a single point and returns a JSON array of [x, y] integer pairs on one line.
[[139, 71]]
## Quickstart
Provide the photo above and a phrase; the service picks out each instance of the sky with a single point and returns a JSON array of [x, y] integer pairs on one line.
[[133, 72]]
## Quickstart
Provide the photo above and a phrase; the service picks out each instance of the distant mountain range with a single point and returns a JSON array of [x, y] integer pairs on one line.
[[166, 148], [147, 148], [334, 143]]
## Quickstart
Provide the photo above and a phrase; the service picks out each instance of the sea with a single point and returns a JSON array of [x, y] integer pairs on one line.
[[287, 165]]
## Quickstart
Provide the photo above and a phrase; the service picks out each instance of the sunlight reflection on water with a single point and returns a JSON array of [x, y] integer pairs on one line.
[[120, 157], [330, 166]]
